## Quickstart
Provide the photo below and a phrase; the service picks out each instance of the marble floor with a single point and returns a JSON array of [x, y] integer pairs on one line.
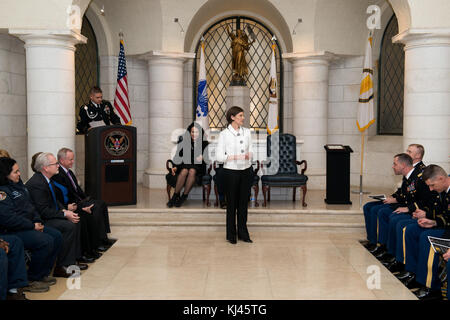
[[197, 263]]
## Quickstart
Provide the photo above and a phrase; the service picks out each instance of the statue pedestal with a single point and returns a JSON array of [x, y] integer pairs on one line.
[[240, 96]]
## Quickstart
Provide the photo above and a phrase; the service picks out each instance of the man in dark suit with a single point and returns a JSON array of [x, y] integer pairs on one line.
[[54, 215], [97, 112], [96, 210]]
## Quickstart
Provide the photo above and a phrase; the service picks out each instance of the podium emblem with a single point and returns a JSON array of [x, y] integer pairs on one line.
[[117, 143]]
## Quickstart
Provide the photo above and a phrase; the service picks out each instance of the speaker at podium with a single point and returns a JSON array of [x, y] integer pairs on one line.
[[110, 164]]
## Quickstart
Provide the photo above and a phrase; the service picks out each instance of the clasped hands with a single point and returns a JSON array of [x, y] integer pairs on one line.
[[4, 245], [245, 156], [74, 217]]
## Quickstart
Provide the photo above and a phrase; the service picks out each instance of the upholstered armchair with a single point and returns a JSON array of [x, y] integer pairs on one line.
[[283, 172]]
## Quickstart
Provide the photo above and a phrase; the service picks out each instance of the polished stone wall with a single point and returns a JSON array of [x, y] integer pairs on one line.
[[13, 99]]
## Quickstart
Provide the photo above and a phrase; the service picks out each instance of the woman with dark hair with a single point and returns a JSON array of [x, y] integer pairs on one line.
[[234, 150], [190, 164], [19, 217]]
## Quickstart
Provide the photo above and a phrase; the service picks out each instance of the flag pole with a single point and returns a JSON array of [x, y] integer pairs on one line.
[[365, 86]]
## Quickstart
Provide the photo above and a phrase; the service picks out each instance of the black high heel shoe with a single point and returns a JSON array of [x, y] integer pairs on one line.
[[246, 240], [173, 200]]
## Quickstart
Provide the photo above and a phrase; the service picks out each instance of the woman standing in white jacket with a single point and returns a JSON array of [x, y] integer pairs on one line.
[[234, 150]]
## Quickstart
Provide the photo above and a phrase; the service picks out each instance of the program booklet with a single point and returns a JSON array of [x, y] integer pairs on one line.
[[378, 197], [439, 245]]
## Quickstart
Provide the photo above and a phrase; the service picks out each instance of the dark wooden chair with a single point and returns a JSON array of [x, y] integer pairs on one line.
[[286, 175], [204, 181]]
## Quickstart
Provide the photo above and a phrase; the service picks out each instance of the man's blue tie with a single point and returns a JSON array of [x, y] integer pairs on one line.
[[53, 194]]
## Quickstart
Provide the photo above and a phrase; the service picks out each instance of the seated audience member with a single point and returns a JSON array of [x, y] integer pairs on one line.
[[19, 217], [396, 203], [62, 195], [13, 272], [4, 154], [416, 196], [42, 192], [95, 210], [190, 166], [435, 222]]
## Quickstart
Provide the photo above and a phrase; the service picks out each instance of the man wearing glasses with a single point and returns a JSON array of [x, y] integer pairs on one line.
[[42, 191]]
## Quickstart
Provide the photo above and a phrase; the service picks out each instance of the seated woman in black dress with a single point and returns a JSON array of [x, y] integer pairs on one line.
[[190, 165]]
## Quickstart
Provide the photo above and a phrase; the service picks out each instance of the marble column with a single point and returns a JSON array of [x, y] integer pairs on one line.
[[427, 92], [165, 111], [310, 110], [50, 72]]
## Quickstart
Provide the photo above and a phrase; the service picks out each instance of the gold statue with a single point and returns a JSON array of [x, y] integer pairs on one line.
[[239, 44]]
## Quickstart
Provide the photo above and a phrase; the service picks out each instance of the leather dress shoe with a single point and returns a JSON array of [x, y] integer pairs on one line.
[[82, 266], [102, 248], [232, 241], [223, 204], [49, 280], [425, 293], [376, 249], [370, 246], [84, 259], [381, 254], [410, 282], [404, 275], [36, 286], [19, 295], [395, 267], [109, 242], [93, 254], [387, 259], [246, 240], [61, 272]]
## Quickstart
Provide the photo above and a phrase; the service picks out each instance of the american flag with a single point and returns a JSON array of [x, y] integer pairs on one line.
[[121, 101]]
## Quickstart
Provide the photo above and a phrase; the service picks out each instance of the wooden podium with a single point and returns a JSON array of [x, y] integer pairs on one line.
[[338, 174], [110, 164]]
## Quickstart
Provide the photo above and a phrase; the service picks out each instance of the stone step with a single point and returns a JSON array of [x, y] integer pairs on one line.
[[212, 217]]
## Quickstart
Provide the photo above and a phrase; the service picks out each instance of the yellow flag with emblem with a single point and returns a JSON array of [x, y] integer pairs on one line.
[[365, 106]]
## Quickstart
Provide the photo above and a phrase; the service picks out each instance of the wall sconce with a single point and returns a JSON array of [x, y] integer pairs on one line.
[[102, 10], [181, 27], [298, 21]]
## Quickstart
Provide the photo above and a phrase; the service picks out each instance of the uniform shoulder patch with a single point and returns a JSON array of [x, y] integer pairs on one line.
[[2, 195]]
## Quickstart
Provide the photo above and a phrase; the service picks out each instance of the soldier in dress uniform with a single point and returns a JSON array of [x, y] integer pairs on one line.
[[396, 200], [416, 194], [434, 221], [97, 112], [397, 203], [435, 224]]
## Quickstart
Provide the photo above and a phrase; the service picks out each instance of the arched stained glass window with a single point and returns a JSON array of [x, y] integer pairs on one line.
[[219, 71], [86, 65], [391, 83]]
